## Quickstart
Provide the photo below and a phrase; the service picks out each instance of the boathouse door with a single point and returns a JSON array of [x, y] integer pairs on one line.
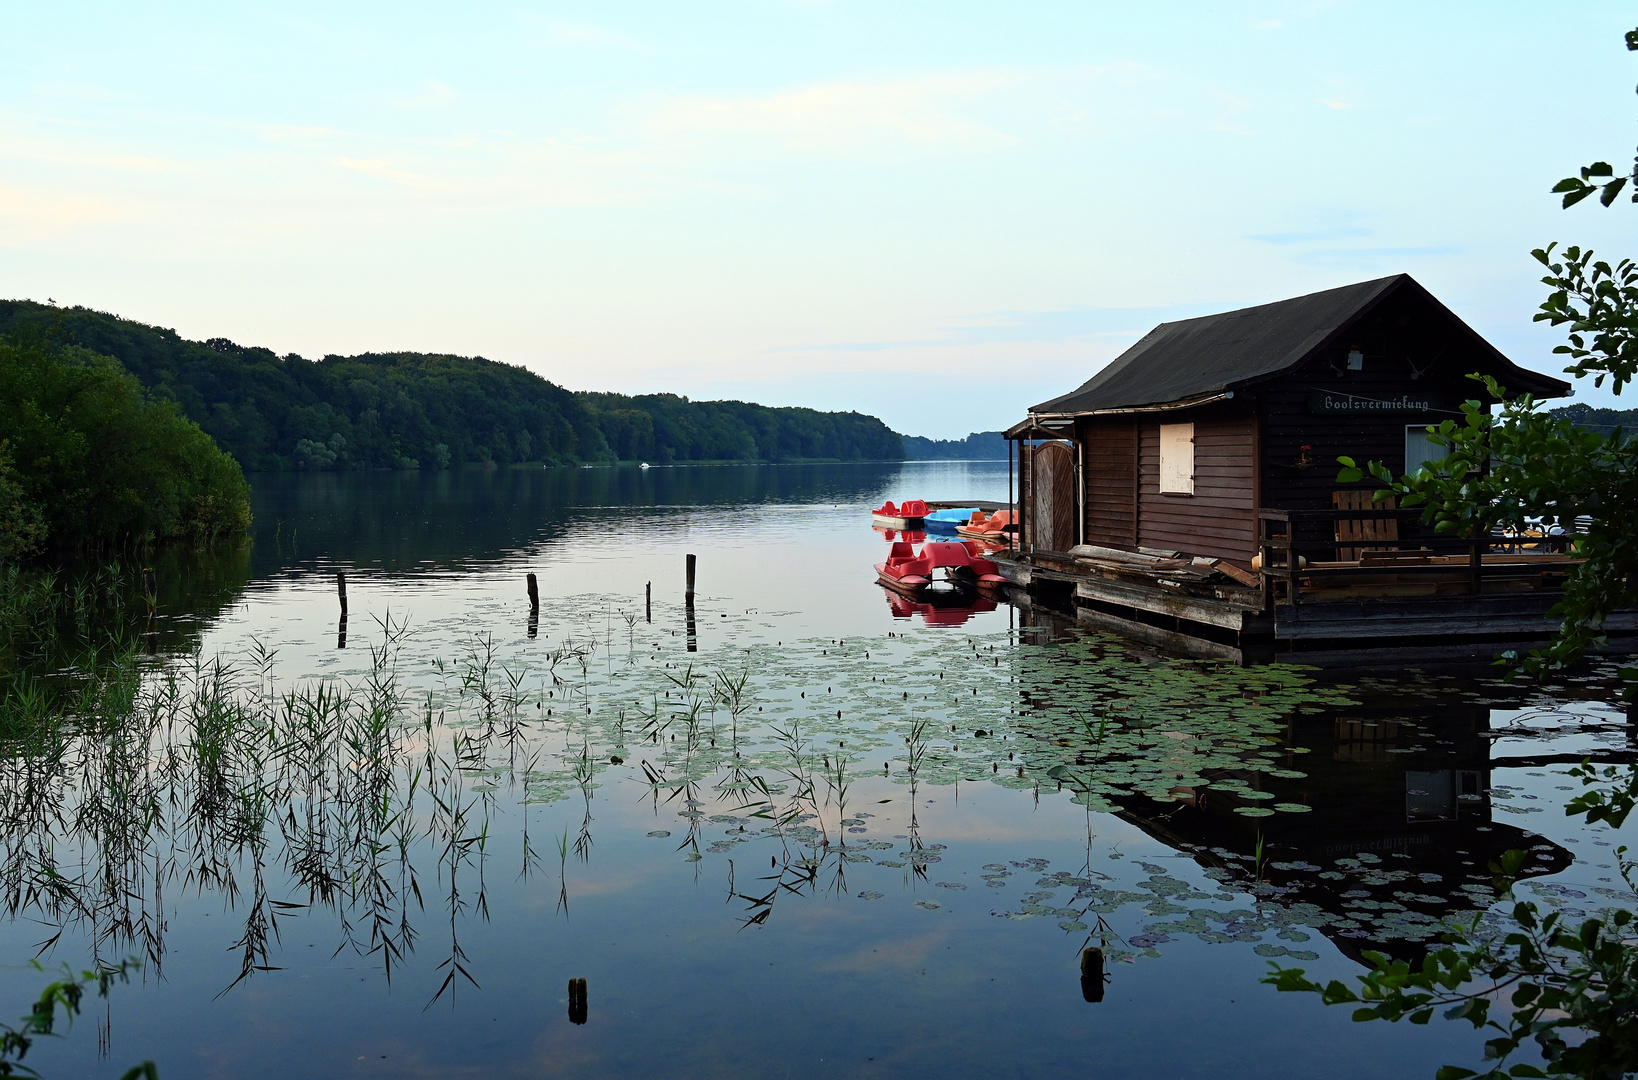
[[1052, 483]]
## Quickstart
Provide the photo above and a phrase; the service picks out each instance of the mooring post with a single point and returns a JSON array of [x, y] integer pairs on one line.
[[534, 594], [688, 607], [648, 601], [150, 587], [341, 591]]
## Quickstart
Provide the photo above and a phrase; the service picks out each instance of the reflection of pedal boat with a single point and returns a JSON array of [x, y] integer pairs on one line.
[[891, 516], [938, 614], [951, 567]]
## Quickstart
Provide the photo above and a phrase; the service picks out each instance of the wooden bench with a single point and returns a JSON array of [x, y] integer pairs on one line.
[[1357, 532]]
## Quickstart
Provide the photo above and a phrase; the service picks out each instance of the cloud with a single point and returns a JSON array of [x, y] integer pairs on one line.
[[434, 94], [40, 214], [60, 153], [846, 116], [386, 170], [583, 36], [1373, 257], [1342, 232], [1065, 326]]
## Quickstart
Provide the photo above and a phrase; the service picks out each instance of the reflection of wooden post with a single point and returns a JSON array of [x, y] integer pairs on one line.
[[341, 591], [150, 587], [341, 632], [577, 1001], [689, 591], [1092, 974], [534, 594]]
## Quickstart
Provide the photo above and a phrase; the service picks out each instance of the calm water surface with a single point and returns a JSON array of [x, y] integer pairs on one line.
[[795, 834]]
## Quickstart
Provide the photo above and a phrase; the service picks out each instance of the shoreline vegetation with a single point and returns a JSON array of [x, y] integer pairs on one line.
[[92, 462], [405, 410]]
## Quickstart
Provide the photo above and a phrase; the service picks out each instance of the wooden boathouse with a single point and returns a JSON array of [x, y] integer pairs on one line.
[[1188, 491]]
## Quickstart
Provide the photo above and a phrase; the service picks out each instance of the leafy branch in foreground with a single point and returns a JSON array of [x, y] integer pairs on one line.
[[1600, 304], [1570, 990], [67, 993], [1600, 175], [1523, 466]]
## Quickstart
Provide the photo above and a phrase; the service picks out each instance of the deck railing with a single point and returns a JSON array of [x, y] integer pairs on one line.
[[1299, 549]]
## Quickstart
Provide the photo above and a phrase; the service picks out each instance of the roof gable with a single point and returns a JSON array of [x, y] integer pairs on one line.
[[1214, 354]]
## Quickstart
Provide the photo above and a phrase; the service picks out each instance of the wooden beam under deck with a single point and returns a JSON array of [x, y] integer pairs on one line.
[[1521, 614], [1223, 613]]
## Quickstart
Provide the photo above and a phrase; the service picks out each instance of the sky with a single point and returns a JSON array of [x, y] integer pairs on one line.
[[936, 213]]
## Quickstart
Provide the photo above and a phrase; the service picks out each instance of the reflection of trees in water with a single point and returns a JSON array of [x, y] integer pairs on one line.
[[406, 519]]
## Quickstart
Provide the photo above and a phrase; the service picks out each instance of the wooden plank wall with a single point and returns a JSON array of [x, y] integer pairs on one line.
[[1407, 350], [1110, 448], [1220, 519]]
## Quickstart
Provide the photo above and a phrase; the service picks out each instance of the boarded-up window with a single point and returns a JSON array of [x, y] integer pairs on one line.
[[1177, 458]]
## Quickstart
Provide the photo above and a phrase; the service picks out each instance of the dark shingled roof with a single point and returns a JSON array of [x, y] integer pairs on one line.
[[1192, 358]]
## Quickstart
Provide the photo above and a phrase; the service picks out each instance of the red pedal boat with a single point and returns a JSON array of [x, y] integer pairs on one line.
[[892, 516], [942, 566]]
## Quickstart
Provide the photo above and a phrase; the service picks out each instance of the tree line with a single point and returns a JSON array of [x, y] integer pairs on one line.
[[421, 410]]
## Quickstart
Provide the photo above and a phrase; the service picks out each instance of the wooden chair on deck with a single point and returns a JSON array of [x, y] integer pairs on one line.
[[1358, 532]]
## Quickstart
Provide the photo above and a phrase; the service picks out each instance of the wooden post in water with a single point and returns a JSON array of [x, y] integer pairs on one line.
[[648, 601], [150, 587], [341, 591], [534, 594], [688, 605]]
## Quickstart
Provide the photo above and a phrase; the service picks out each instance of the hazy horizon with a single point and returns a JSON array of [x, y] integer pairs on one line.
[[934, 214]]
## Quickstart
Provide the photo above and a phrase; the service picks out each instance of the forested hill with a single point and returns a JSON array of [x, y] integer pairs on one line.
[[979, 446], [665, 427], [417, 410], [1602, 421]]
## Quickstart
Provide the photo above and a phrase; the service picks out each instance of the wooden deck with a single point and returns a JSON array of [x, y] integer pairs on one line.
[[1417, 602]]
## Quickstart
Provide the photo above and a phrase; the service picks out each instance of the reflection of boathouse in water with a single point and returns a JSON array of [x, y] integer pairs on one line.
[[1406, 813], [1187, 493]]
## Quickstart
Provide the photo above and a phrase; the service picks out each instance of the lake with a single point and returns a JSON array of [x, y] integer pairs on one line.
[[793, 831]]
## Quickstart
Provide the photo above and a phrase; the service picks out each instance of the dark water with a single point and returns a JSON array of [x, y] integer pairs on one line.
[[795, 834]]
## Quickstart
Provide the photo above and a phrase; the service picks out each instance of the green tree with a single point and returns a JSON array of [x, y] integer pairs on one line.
[[97, 462], [22, 526]]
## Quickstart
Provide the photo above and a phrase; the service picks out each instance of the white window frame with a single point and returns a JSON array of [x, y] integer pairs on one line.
[[1177, 459]]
